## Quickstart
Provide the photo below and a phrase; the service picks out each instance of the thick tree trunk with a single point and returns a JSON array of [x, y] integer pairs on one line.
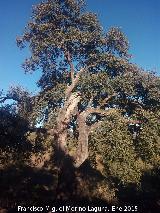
[[67, 164], [64, 118], [66, 186], [82, 149], [66, 178]]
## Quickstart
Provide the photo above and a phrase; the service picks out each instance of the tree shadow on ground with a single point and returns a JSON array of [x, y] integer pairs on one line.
[[62, 184], [26, 186], [147, 196], [74, 185], [23, 185]]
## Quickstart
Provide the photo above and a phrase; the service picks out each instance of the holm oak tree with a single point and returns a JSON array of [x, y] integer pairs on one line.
[[92, 97]]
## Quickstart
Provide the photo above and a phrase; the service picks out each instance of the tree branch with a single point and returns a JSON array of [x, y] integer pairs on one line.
[[107, 99], [95, 126], [102, 112], [90, 103], [74, 83], [68, 57], [84, 130], [131, 121], [3, 99]]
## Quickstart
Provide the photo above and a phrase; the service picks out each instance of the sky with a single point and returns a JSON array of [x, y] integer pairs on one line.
[[139, 20]]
